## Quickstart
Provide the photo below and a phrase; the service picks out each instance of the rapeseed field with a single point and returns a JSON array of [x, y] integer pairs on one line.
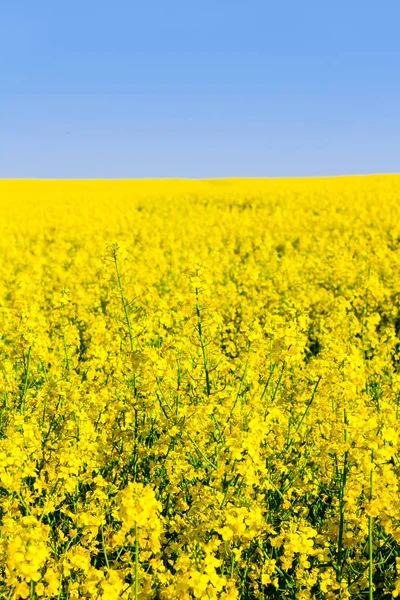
[[199, 389]]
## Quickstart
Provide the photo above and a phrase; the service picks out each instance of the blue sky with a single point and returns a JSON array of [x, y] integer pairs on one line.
[[199, 89]]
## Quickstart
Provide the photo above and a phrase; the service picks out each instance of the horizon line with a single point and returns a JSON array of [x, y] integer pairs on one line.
[[198, 179]]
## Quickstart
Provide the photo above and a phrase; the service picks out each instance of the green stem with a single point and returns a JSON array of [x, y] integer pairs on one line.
[[104, 548], [202, 344], [67, 368], [279, 382], [123, 300], [308, 405], [370, 536], [200, 451], [136, 563], [341, 506], [25, 390], [266, 387], [236, 399]]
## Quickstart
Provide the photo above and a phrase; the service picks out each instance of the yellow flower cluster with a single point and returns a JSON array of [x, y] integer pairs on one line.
[[200, 389]]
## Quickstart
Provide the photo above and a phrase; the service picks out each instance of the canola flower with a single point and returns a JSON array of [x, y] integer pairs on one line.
[[200, 387]]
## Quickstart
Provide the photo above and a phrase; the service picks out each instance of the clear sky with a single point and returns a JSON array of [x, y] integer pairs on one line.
[[199, 88]]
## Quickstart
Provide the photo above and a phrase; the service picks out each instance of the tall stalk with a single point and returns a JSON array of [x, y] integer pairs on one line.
[[203, 344], [125, 304], [370, 533], [26, 383], [136, 596], [342, 488]]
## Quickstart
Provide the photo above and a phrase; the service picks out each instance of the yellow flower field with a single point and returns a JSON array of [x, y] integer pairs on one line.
[[200, 388]]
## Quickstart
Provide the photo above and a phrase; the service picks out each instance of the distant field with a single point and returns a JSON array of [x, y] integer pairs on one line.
[[199, 389]]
